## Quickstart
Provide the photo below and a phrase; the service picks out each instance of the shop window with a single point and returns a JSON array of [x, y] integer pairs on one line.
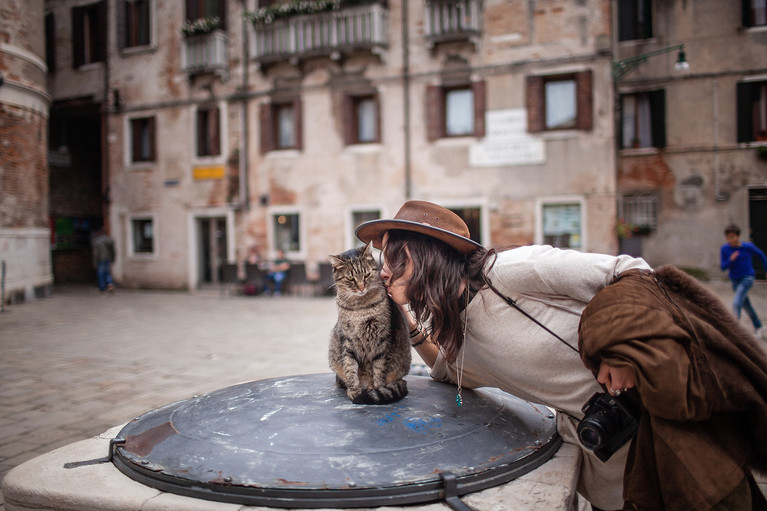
[[643, 120], [280, 125], [142, 139], [208, 131], [456, 110], [634, 19], [754, 13], [133, 23], [142, 235], [558, 102], [752, 111], [89, 33], [286, 232], [562, 225]]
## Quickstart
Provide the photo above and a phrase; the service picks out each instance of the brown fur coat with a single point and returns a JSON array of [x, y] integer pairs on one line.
[[702, 382]]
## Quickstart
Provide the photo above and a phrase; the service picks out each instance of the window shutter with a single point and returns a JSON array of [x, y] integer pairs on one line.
[[298, 127], [266, 125], [50, 42], [152, 140], [746, 11], [347, 118], [478, 90], [214, 133], [191, 10], [619, 140], [377, 102], [122, 24], [745, 112], [435, 112], [584, 98], [100, 52], [658, 118], [534, 104], [78, 46]]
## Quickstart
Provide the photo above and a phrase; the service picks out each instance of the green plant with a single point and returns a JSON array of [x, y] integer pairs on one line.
[[203, 25], [267, 15], [761, 152]]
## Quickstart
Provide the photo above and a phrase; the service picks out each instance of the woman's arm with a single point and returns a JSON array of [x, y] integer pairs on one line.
[[421, 341]]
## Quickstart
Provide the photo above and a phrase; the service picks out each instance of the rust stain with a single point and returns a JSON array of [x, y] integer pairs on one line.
[[645, 170], [143, 443], [295, 483]]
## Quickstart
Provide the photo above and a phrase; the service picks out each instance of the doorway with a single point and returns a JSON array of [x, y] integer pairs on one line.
[[212, 249], [757, 220]]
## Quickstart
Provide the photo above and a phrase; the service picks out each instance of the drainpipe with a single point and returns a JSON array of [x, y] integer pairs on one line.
[[245, 129], [406, 92], [718, 193], [105, 109]]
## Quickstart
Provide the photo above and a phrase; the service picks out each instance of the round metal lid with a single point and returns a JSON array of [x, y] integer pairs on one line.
[[299, 442]]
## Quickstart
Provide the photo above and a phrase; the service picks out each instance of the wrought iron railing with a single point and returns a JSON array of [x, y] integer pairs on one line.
[[452, 20], [207, 53], [363, 27]]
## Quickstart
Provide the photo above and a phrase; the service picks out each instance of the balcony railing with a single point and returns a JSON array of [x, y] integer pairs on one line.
[[453, 20], [207, 53], [363, 27]]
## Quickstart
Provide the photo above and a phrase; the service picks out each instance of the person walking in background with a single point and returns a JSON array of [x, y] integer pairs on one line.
[[103, 252], [735, 256]]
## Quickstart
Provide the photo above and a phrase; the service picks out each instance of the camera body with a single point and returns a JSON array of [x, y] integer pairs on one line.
[[608, 423]]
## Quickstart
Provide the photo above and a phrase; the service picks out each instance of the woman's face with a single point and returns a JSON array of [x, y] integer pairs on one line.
[[396, 289]]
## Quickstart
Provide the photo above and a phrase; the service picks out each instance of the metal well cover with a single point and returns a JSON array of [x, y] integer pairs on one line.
[[299, 442]]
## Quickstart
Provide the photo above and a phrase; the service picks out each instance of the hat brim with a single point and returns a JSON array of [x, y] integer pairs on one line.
[[375, 229]]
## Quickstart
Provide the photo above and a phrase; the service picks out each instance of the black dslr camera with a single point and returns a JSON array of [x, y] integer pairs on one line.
[[608, 423]]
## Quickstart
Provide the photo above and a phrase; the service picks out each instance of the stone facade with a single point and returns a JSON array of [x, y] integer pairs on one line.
[[24, 102], [287, 131]]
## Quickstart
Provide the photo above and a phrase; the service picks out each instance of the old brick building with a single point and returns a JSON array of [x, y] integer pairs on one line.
[[24, 103], [226, 125]]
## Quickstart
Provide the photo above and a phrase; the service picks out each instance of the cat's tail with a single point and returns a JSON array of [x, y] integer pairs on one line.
[[385, 394]]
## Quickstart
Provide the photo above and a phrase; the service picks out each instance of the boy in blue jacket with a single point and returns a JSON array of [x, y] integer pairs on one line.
[[735, 256]]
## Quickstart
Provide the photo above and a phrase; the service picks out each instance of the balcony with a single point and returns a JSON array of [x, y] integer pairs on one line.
[[331, 33], [452, 20], [207, 53]]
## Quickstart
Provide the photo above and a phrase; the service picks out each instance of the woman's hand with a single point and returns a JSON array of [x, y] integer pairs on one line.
[[616, 379]]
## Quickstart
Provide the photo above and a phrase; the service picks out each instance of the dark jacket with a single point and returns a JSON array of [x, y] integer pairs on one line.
[[702, 382]]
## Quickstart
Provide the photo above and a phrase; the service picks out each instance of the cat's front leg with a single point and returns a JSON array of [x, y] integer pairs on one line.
[[351, 378]]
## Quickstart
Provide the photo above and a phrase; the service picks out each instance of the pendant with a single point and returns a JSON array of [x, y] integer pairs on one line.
[[458, 399]]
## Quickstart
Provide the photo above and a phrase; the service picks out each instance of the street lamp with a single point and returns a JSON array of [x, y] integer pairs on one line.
[[623, 67]]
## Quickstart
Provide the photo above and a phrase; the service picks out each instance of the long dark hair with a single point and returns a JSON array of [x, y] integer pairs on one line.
[[434, 290]]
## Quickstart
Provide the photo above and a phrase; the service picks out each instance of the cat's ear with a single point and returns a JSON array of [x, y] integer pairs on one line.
[[335, 261], [368, 252]]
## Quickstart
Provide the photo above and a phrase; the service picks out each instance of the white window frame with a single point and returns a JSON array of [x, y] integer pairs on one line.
[[272, 211], [129, 236], [484, 218], [561, 200], [350, 240]]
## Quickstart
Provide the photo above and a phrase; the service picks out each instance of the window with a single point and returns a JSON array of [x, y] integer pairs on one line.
[[754, 13], [643, 120], [752, 111], [50, 42], [142, 235], [456, 110], [559, 102], [471, 216], [640, 210], [142, 139], [281, 125], [208, 131], [89, 33], [196, 9], [634, 19], [133, 24], [360, 217], [286, 232], [562, 225], [361, 119]]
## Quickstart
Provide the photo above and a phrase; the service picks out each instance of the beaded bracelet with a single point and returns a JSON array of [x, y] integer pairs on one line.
[[425, 338]]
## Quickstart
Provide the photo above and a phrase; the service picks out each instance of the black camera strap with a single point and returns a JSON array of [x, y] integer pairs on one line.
[[513, 304]]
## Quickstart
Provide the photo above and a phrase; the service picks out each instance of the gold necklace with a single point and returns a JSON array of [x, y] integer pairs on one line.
[[458, 398]]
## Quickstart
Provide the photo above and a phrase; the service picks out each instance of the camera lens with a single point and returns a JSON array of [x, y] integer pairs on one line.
[[591, 435]]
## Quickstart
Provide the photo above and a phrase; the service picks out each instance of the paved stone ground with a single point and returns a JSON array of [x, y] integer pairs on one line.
[[78, 363]]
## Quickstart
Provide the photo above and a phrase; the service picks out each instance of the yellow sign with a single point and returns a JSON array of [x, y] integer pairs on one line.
[[212, 172]]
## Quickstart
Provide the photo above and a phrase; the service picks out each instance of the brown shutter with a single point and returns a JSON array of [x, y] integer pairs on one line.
[[585, 103], [214, 131], [100, 52], [298, 125], [377, 103], [478, 90], [266, 126], [152, 141], [348, 120], [534, 100], [435, 113], [78, 44]]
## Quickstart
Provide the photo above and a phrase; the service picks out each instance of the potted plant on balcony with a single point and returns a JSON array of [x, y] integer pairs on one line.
[[267, 15], [204, 25]]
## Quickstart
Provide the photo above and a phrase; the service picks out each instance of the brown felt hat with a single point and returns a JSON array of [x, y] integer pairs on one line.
[[425, 218]]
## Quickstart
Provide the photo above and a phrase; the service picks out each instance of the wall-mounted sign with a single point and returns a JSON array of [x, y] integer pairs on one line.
[[210, 172], [506, 141]]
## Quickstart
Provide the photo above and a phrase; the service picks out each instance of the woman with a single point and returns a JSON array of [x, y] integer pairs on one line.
[[475, 338]]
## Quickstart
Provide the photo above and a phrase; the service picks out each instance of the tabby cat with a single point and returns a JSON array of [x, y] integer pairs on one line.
[[369, 345]]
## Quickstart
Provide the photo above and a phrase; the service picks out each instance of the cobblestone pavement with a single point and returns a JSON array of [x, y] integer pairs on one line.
[[78, 363]]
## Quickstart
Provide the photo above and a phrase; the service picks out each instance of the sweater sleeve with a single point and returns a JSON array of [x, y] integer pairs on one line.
[[758, 252]]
